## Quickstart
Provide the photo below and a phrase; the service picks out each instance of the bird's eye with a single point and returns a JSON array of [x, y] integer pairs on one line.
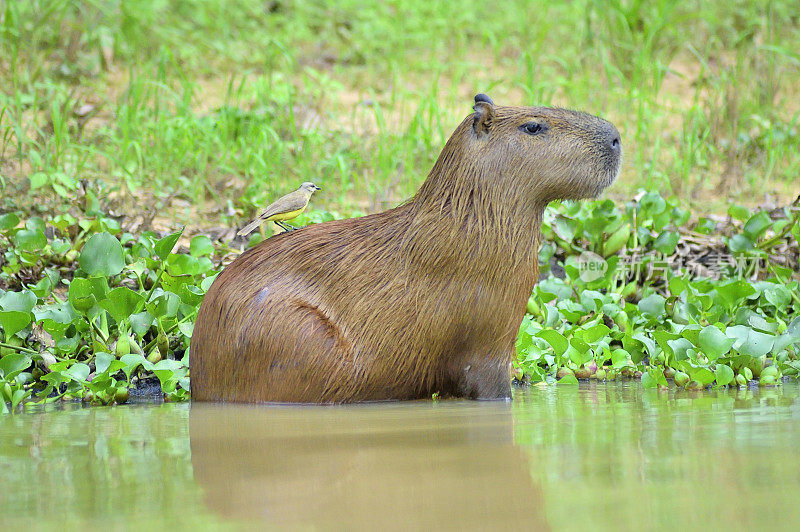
[[532, 128]]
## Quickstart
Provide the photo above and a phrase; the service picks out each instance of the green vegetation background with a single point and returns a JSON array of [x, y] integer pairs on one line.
[[123, 117], [225, 104]]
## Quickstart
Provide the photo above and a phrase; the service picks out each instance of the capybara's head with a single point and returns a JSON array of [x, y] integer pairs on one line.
[[538, 154]]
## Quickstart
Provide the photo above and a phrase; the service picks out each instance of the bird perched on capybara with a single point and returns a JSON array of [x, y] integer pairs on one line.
[[423, 298], [283, 209]]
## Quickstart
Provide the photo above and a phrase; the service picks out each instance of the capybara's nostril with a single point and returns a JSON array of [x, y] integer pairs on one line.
[[612, 136]]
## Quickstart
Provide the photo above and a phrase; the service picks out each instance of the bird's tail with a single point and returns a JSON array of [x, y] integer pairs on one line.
[[247, 229]]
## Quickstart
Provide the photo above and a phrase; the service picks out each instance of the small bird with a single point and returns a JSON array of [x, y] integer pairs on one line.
[[286, 208]]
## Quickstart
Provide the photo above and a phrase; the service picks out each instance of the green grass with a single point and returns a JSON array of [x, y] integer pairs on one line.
[[228, 104]]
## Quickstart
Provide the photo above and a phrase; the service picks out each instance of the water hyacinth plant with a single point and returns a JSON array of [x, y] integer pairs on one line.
[[646, 312], [90, 311], [103, 309]]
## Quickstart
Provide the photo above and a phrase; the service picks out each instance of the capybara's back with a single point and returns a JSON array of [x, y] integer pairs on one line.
[[421, 299]]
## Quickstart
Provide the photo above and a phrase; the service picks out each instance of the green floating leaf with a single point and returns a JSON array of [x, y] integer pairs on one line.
[[577, 356], [678, 285], [121, 302], [648, 342], [680, 216], [568, 380], [102, 255], [750, 342], [59, 313], [553, 288], [666, 242], [780, 296], [702, 375], [186, 328], [652, 306], [84, 293], [141, 322], [38, 180], [201, 246], [55, 329], [735, 291], [182, 265], [579, 345], [652, 203], [620, 358], [133, 361], [32, 241], [13, 321], [723, 374], [653, 377], [740, 244], [791, 336], [565, 228], [165, 304], [593, 334], [755, 227], [18, 396], [169, 372], [739, 212], [60, 247], [11, 365], [208, 281], [169, 364], [713, 342], [77, 372], [8, 221], [759, 323], [35, 223], [165, 245], [648, 381], [23, 301], [43, 288], [555, 339], [592, 300], [692, 333], [102, 361], [705, 226], [680, 348]]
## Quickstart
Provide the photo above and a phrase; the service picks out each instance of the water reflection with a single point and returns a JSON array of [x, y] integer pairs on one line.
[[609, 456], [68, 466], [630, 458], [395, 466]]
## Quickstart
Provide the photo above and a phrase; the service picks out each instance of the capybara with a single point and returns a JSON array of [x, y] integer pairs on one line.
[[424, 298]]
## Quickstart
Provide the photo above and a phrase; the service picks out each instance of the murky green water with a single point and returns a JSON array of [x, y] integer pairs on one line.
[[598, 457]]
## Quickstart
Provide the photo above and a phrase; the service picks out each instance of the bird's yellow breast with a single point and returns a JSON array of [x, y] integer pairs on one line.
[[280, 217]]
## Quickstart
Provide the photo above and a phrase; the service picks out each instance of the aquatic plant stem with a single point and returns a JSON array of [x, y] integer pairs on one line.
[[19, 349], [778, 237], [152, 342]]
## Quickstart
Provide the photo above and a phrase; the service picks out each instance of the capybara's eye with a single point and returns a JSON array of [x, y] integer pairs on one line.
[[532, 128]]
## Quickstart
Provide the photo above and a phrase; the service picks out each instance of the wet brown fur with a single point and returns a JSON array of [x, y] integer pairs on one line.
[[423, 298]]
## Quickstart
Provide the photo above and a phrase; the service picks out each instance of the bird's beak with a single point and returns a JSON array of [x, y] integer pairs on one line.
[[318, 188]]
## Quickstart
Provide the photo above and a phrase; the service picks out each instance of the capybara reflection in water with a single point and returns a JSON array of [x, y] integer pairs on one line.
[[382, 468], [424, 298]]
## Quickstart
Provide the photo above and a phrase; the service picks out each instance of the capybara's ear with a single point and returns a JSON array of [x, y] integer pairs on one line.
[[484, 114]]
